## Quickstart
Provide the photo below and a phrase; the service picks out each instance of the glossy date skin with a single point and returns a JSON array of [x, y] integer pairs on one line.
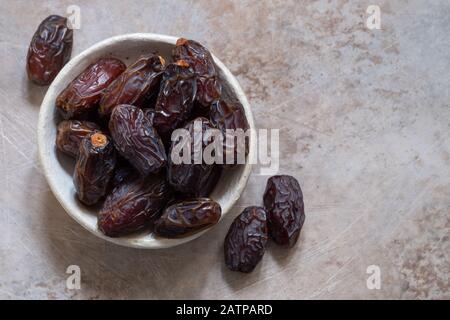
[[135, 85], [94, 168], [190, 178], [283, 200], [199, 58], [133, 205], [70, 134], [246, 240], [137, 140], [175, 99], [50, 49], [187, 218], [83, 94], [226, 114]]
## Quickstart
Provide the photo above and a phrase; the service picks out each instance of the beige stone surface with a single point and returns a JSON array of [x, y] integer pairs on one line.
[[364, 125]]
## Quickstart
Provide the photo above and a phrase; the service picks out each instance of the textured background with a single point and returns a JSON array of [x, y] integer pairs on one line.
[[364, 125]]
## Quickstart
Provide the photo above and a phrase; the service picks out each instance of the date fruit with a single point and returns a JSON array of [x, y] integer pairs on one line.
[[190, 177], [133, 205], [230, 115], [83, 94], [283, 200], [206, 189], [123, 172], [71, 132], [199, 58], [136, 139], [175, 99], [94, 168], [50, 49], [246, 240], [135, 85], [187, 218], [150, 114]]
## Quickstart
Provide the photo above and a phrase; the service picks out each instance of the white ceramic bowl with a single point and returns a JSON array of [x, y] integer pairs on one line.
[[58, 168]]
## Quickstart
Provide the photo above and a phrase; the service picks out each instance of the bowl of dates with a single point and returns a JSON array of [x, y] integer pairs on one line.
[[106, 137]]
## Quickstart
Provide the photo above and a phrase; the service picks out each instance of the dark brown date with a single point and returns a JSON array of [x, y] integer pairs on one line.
[[94, 168], [200, 59], [133, 204], [150, 114], [71, 132], [83, 94], [205, 190], [230, 115], [175, 99], [187, 218], [136, 139], [283, 200], [190, 177], [123, 172], [246, 240], [135, 85], [50, 49]]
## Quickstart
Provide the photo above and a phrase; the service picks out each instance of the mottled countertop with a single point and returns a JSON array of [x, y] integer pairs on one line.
[[364, 125]]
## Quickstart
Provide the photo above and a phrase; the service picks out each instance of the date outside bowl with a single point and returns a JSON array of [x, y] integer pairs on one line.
[[58, 168]]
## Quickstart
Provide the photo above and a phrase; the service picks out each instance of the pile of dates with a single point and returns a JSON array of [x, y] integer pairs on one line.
[[281, 219], [117, 122]]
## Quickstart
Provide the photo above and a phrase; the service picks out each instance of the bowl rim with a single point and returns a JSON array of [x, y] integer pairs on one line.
[[47, 111]]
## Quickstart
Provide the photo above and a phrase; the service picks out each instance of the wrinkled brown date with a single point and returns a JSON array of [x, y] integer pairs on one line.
[[200, 59], [175, 99], [190, 177], [188, 217], [133, 204], [94, 168], [85, 91], [135, 85], [246, 240], [50, 49], [136, 139], [230, 115], [71, 132], [283, 200]]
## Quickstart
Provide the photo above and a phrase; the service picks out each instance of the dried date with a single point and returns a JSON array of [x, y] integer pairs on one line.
[[150, 114], [187, 218], [136, 139], [175, 98], [207, 188], [133, 205], [123, 172], [94, 168], [50, 49], [71, 132], [192, 176], [283, 200], [135, 85], [199, 58], [229, 117], [246, 240], [83, 94]]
